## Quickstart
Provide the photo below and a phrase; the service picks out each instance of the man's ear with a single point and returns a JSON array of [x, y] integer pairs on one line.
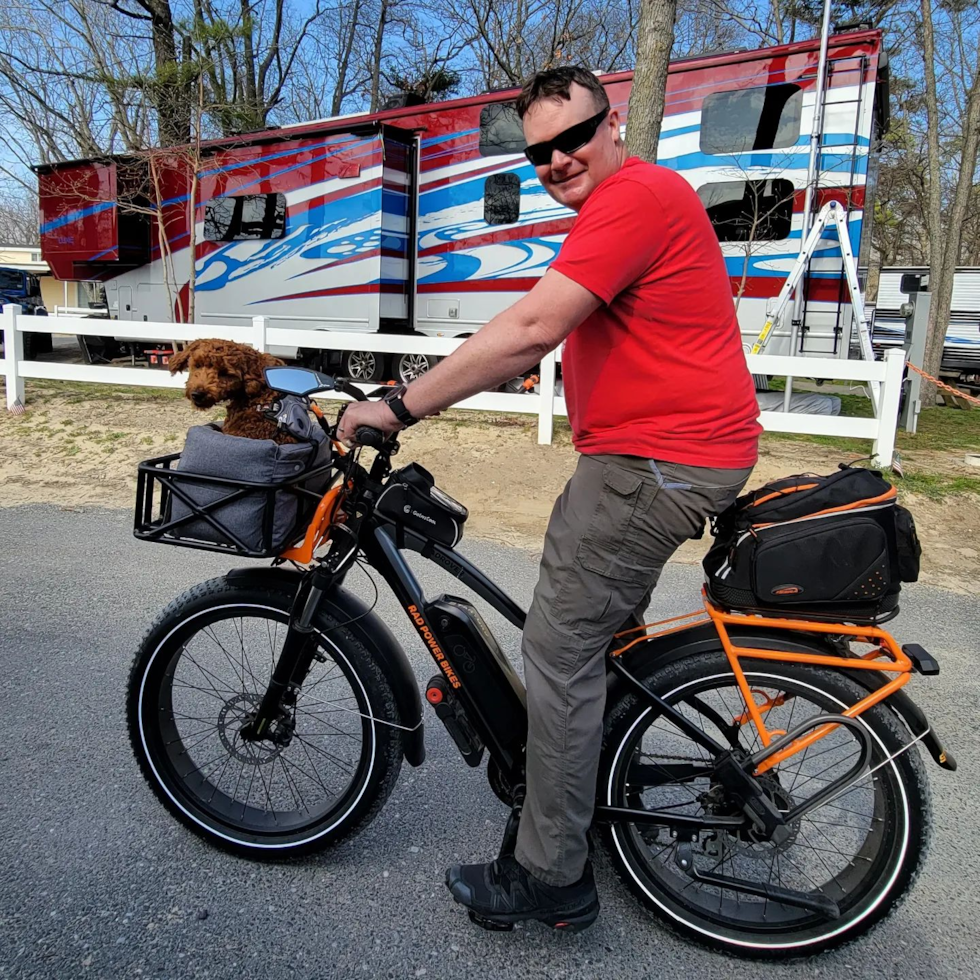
[[614, 123]]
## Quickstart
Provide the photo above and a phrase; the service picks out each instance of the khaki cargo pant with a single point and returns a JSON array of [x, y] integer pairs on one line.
[[619, 519]]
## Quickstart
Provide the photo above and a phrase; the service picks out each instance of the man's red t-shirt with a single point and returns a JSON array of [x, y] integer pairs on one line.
[[658, 371]]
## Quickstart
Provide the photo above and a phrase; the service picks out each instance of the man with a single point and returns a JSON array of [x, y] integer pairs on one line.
[[663, 411]]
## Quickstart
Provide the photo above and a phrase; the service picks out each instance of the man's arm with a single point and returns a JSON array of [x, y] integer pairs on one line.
[[506, 347]]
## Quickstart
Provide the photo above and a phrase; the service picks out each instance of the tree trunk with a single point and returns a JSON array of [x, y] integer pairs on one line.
[[945, 228], [376, 60], [171, 98], [655, 38], [343, 64]]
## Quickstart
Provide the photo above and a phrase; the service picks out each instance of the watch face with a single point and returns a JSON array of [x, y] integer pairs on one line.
[[443, 498]]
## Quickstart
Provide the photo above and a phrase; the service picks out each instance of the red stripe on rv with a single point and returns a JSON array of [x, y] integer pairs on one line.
[[850, 197], [765, 287], [560, 226], [466, 175], [315, 202], [480, 286]]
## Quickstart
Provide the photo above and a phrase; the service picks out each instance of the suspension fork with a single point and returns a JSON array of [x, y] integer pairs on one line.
[[298, 653]]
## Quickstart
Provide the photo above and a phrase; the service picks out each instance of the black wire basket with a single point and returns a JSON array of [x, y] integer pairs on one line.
[[231, 516]]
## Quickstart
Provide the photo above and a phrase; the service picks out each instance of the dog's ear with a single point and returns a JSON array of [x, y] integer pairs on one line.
[[179, 362], [254, 379]]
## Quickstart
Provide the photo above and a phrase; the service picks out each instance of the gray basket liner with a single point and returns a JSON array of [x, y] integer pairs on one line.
[[209, 452]]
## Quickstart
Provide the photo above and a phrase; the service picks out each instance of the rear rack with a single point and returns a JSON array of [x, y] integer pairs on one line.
[[204, 527]]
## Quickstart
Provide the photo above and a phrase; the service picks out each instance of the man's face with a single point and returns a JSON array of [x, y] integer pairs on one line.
[[571, 178]]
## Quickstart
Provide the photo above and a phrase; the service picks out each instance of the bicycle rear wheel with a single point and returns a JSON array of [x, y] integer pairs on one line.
[[203, 666], [862, 849]]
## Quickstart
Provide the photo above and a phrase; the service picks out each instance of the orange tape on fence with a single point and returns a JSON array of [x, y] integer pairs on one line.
[[946, 387]]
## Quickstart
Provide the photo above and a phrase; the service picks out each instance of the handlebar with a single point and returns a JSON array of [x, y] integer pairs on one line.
[[367, 436]]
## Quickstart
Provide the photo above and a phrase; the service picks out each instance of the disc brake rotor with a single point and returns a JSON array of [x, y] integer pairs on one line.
[[235, 712]]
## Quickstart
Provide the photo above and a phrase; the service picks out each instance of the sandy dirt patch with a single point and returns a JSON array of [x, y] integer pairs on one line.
[[76, 447]]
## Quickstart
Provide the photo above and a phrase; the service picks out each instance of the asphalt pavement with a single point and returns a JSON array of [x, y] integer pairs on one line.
[[96, 880]]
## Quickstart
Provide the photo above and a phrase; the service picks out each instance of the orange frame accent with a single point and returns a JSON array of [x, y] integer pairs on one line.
[[887, 656], [318, 530]]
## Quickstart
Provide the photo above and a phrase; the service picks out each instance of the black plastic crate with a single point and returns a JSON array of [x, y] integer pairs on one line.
[[154, 520]]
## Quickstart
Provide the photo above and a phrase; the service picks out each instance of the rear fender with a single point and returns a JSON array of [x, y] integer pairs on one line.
[[369, 630]]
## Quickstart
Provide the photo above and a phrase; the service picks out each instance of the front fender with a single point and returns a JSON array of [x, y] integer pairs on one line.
[[370, 630]]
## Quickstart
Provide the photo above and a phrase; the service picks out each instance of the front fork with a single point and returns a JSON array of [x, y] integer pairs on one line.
[[272, 719]]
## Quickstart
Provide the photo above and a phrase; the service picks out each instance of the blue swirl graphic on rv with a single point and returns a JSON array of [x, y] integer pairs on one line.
[[333, 231]]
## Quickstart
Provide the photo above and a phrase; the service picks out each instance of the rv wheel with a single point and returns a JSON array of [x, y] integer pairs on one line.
[[364, 365], [408, 367]]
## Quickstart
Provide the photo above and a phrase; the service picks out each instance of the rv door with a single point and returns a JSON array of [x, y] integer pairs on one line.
[[399, 209]]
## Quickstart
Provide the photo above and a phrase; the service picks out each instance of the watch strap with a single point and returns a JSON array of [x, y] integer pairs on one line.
[[397, 406]]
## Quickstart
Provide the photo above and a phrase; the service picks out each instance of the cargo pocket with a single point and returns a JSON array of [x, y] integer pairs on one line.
[[605, 549]]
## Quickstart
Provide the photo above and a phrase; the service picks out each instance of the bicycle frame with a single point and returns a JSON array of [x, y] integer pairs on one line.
[[477, 678]]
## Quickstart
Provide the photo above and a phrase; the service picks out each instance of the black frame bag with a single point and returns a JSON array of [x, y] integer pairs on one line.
[[825, 547]]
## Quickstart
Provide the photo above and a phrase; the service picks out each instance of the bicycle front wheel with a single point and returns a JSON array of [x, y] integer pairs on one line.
[[861, 849], [202, 668]]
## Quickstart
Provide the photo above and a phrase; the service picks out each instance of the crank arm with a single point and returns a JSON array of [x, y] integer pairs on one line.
[[684, 858]]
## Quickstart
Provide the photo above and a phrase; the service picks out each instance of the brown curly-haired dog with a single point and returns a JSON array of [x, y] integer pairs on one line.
[[223, 371]]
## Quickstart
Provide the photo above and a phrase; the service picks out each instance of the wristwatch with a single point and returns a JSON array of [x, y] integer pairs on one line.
[[394, 401]]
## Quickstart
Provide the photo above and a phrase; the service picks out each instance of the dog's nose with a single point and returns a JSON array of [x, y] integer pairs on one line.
[[198, 396]]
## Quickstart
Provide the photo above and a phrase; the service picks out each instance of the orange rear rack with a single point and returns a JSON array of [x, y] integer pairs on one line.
[[886, 655]]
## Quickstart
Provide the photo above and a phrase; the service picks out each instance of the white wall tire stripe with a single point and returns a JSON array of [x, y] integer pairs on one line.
[[727, 939], [211, 830]]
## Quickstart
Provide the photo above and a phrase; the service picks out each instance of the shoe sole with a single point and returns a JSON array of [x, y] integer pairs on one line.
[[571, 920]]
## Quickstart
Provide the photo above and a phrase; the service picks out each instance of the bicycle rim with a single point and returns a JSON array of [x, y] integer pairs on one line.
[[202, 680], [850, 850]]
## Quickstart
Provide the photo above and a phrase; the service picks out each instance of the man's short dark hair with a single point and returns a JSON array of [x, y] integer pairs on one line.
[[558, 82]]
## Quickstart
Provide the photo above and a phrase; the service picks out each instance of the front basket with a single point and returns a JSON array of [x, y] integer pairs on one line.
[[252, 520]]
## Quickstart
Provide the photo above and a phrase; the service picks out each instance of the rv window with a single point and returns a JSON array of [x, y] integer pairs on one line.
[[500, 130], [249, 218], [749, 210], [766, 118], [502, 199]]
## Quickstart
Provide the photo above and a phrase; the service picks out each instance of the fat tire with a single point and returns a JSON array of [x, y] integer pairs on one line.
[[387, 739], [623, 712]]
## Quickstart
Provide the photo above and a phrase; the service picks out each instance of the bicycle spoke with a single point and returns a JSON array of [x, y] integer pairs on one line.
[[824, 848], [214, 687]]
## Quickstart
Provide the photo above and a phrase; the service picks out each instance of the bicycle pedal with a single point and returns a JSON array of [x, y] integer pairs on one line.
[[489, 924]]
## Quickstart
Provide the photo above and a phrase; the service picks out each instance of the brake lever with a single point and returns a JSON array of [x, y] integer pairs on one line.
[[344, 385]]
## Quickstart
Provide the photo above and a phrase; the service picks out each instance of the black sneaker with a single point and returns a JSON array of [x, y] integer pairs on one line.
[[502, 893]]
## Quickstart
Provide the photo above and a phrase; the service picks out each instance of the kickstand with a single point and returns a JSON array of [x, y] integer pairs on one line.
[[509, 843]]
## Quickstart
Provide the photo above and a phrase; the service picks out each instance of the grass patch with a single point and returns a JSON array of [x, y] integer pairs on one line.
[[944, 428], [935, 486], [940, 429], [74, 392]]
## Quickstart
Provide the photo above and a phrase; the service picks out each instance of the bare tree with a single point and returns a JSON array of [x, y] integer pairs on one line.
[[511, 39], [247, 56], [18, 219]]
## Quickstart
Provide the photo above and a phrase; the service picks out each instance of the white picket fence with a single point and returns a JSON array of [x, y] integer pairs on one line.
[[544, 402]]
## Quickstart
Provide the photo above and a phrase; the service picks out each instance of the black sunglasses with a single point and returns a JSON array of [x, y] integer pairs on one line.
[[568, 141]]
